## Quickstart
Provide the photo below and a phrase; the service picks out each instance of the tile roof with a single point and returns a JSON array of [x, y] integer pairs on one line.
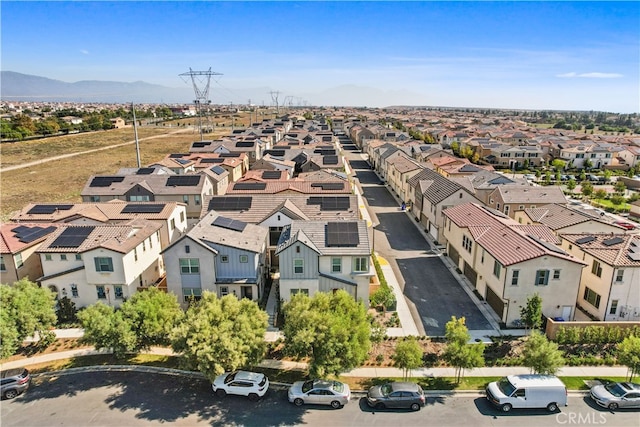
[[521, 194], [439, 190], [103, 212], [556, 216], [157, 184], [10, 237], [252, 238], [313, 234], [617, 255]]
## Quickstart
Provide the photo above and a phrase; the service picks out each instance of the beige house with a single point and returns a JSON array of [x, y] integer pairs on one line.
[[610, 285], [400, 168], [563, 219], [512, 198], [507, 262], [18, 246]]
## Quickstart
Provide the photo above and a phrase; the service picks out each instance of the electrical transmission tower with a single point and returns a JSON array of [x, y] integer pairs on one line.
[[274, 98], [201, 81]]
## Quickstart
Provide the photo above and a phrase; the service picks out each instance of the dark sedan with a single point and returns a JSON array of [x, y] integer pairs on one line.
[[396, 395]]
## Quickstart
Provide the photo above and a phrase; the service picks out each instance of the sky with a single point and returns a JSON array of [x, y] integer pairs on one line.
[[525, 55]]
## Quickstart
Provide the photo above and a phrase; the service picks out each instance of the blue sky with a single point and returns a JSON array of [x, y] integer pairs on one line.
[[542, 55]]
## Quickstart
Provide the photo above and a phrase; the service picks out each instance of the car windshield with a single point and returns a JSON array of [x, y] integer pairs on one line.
[[615, 389], [506, 387], [229, 378], [308, 385], [386, 389], [338, 387]]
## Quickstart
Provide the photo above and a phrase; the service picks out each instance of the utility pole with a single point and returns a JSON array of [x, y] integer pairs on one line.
[[135, 133], [274, 98], [201, 81]]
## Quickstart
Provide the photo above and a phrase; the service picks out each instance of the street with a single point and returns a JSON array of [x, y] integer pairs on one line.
[[139, 399]]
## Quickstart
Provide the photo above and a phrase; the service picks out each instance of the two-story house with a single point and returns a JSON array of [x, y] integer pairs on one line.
[[18, 246]]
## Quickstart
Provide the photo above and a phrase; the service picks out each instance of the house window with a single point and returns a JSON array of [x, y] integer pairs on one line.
[[298, 249], [514, 277], [244, 258], [63, 257], [135, 254], [139, 198], [556, 274], [224, 258], [117, 291], [78, 257], [614, 307], [596, 268], [173, 224], [591, 297], [47, 257], [3, 267], [103, 263], [196, 199], [74, 290], [181, 216], [224, 290], [521, 207], [506, 209], [467, 243], [189, 266], [482, 257], [185, 199], [496, 268], [191, 294], [150, 242], [144, 246], [497, 206], [298, 266], [361, 264], [101, 293], [19, 262], [299, 291], [187, 249], [542, 277], [336, 265], [94, 199], [619, 276]]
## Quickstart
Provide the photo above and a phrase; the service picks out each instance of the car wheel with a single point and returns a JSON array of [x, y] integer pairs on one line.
[[221, 393], [415, 407], [253, 397], [298, 402], [379, 405], [552, 407], [506, 407], [335, 404], [613, 406], [10, 394]]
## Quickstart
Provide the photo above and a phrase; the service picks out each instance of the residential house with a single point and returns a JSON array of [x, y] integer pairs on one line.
[[564, 219], [400, 168], [18, 246], [512, 198]]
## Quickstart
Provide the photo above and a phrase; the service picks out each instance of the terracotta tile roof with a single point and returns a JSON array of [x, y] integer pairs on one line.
[[10, 237], [103, 212], [292, 186], [556, 216], [520, 194], [618, 254]]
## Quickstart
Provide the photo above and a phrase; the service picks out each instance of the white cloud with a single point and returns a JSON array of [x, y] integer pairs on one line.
[[591, 75], [84, 51]]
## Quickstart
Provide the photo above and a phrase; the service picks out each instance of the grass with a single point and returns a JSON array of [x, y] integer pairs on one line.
[[606, 203]]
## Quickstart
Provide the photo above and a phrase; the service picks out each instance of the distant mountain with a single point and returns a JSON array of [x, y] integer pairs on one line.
[[23, 87]]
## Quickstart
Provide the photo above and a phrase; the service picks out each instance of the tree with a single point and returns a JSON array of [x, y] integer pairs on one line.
[[587, 164], [66, 311], [152, 314], [331, 329], [221, 334], [600, 194], [458, 352], [106, 328], [531, 313], [558, 164], [408, 356], [538, 174], [586, 188], [620, 187], [383, 296], [617, 199], [547, 178], [571, 185], [607, 175], [27, 310], [542, 355], [455, 147], [629, 354]]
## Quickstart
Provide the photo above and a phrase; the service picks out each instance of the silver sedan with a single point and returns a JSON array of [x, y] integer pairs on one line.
[[617, 395], [320, 392]]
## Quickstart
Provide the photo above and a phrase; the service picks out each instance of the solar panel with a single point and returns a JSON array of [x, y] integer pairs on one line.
[[183, 181], [586, 239], [276, 153], [329, 185], [213, 160], [217, 170], [271, 174], [229, 154], [30, 234], [325, 152], [145, 171], [72, 237], [613, 241], [142, 208], [342, 234], [183, 161], [105, 181], [250, 186], [245, 144], [230, 203], [48, 209], [230, 224], [177, 155], [330, 203], [634, 256], [330, 160], [201, 144]]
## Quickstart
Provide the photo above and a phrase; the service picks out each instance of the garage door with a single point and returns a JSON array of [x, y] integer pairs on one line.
[[495, 302], [453, 254], [470, 274]]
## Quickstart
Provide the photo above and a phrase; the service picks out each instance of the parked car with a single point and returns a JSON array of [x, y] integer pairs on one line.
[[616, 395], [625, 225], [13, 382], [396, 395], [242, 383], [320, 392]]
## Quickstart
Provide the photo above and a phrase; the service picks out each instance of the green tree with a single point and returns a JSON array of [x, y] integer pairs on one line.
[[583, 176], [620, 187], [408, 356], [607, 175], [152, 314], [587, 164], [106, 328], [458, 352], [331, 329], [66, 311], [531, 313], [547, 178], [617, 199], [542, 355], [383, 297], [629, 354], [221, 334], [538, 174], [558, 164], [600, 194], [586, 188], [455, 147], [27, 310], [571, 185]]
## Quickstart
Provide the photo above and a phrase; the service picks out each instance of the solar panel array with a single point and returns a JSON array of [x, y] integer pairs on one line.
[[142, 208], [342, 234], [330, 203], [201, 144], [245, 144], [229, 154], [230, 224], [217, 170], [105, 181], [213, 160], [183, 161], [587, 239], [276, 153], [145, 171], [271, 174], [250, 186], [183, 181], [177, 155], [72, 237], [329, 185], [330, 160], [325, 152], [613, 241], [230, 203], [29, 234], [48, 209]]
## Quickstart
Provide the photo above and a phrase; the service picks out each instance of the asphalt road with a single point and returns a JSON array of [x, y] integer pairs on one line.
[[138, 399], [433, 293]]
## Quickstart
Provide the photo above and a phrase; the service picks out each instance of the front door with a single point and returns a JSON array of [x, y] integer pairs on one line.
[[566, 312], [246, 292]]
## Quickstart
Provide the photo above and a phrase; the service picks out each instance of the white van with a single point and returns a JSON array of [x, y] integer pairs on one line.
[[528, 391]]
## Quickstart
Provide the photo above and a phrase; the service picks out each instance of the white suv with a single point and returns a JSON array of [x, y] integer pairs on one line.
[[242, 383]]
